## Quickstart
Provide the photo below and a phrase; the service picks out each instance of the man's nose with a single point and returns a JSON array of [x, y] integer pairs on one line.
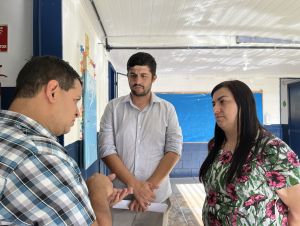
[[138, 79], [77, 112]]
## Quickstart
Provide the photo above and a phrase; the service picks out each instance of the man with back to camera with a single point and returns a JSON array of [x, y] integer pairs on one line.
[[141, 141], [39, 183]]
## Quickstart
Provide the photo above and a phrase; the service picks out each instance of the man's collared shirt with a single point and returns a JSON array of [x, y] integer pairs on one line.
[[39, 183], [141, 137]]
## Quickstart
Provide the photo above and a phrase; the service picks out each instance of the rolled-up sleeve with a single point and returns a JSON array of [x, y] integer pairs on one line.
[[174, 133], [106, 136]]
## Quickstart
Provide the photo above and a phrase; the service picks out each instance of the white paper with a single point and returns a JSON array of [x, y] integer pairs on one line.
[[154, 207]]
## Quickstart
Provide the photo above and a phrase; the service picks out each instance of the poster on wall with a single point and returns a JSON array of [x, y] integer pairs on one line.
[[89, 126], [3, 38]]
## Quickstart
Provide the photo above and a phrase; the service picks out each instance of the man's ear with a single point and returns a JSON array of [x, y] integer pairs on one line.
[[51, 90], [154, 78]]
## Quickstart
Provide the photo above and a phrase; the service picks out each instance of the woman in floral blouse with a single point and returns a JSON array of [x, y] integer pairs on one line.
[[250, 176]]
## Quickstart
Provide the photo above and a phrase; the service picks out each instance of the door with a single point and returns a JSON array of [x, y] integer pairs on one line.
[[294, 116], [112, 82]]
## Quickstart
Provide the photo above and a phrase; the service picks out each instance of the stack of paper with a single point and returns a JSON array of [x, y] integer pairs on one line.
[[154, 207]]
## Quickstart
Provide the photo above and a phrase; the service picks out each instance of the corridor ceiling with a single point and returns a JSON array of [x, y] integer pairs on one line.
[[205, 37]]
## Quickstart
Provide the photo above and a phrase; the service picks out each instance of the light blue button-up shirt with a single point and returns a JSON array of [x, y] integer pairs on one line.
[[141, 137]]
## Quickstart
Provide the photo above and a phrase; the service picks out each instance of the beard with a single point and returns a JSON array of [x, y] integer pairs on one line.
[[140, 94]]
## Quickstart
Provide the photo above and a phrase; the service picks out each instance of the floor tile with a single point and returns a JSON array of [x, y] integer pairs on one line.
[[187, 201]]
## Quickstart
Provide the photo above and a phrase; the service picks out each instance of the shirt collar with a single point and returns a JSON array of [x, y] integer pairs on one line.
[[25, 123], [154, 98]]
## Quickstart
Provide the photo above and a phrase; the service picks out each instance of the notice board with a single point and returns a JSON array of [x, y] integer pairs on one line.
[[89, 120], [89, 127]]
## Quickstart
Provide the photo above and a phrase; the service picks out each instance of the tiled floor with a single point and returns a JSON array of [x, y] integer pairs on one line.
[[187, 201]]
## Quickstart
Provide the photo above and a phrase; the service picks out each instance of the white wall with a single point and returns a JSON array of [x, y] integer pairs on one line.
[[269, 86], [79, 19], [17, 14]]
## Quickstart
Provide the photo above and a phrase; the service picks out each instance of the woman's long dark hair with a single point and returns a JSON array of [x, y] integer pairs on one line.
[[247, 130]]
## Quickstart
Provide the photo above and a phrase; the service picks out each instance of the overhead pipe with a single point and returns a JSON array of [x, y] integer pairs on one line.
[[199, 47], [107, 46], [238, 40]]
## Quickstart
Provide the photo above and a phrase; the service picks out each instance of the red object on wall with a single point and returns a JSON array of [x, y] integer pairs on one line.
[[3, 38]]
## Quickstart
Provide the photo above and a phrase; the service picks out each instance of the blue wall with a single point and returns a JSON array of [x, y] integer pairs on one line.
[[7, 95], [193, 154], [47, 27], [76, 152], [195, 114]]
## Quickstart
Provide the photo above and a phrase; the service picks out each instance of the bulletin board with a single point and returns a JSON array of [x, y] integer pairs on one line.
[[89, 116], [195, 114], [89, 120]]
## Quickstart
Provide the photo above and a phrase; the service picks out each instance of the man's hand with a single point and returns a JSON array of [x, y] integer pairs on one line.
[[100, 188], [144, 194], [135, 206], [118, 195], [101, 184], [103, 196]]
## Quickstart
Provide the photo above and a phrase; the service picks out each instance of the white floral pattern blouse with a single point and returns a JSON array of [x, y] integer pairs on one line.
[[251, 199]]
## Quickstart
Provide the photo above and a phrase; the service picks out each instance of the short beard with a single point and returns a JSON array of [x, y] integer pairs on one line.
[[140, 94]]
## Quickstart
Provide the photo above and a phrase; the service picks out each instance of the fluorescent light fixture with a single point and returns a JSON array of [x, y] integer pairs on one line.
[[261, 40]]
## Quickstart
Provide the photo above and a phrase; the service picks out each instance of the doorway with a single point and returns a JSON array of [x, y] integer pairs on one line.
[[294, 116]]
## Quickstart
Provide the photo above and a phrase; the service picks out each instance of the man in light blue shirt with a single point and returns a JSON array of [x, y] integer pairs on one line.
[[141, 141]]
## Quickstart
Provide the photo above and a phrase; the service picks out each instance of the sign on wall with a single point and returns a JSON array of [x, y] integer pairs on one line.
[[3, 38]]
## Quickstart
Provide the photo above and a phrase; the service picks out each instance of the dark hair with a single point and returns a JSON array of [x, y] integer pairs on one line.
[[247, 130], [142, 59], [39, 71]]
